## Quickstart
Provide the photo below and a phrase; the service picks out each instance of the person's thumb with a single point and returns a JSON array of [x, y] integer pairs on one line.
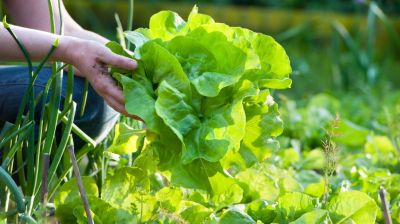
[[119, 61]]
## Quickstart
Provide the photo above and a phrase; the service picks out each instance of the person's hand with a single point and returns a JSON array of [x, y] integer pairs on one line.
[[92, 59]]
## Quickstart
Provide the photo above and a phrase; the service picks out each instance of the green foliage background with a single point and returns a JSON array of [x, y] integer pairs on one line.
[[348, 68], [328, 168]]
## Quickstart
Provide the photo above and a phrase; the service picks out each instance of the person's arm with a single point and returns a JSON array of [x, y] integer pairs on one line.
[[38, 18], [86, 52], [89, 57]]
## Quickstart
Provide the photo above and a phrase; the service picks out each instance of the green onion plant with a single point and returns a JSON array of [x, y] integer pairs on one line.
[[23, 153]]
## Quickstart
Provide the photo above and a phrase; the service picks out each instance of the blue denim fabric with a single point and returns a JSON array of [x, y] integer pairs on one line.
[[97, 120]]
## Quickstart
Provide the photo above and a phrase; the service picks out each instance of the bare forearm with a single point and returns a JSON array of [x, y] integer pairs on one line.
[[81, 48], [37, 43], [39, 18], [85, 34]]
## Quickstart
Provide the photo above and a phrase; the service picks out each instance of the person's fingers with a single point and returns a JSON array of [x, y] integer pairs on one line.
[[115, 98], [111, 93], [120, 108], [107, 86], [119, 61], [116, 105], [117, 94], [135, 117]]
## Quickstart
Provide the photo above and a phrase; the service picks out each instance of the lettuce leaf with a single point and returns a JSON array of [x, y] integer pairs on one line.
[[202, 89]]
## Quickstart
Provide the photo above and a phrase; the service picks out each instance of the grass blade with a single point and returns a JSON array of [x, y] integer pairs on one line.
[[80, 184], [10, 183], [130, 20]]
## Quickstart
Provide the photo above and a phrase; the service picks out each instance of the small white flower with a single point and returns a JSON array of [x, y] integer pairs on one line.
[[362, 174], [270, 101]]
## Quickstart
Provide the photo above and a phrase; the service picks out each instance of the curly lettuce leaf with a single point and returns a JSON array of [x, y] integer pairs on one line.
[[353, 207], [125, 139], [202, 90]]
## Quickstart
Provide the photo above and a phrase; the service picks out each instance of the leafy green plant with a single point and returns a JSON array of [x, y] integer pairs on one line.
[[202, 89], [250, 183]]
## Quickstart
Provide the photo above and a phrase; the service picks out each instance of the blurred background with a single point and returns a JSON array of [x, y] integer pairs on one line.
[[346, 49], [335, 46], [345, 56]]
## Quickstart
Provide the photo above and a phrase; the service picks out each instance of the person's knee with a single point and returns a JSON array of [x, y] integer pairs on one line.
[[14, 83], [98, 118]]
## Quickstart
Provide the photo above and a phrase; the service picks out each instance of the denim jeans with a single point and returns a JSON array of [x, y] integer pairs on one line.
[[97, 120]]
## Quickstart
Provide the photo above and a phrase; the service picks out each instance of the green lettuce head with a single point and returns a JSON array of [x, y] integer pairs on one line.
[[203, 90]]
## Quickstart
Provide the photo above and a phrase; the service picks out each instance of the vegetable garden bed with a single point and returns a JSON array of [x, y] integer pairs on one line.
[[213, 148]]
